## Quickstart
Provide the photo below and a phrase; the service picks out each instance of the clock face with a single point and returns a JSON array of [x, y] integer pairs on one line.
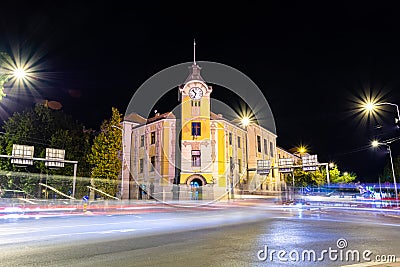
[[195, 93]]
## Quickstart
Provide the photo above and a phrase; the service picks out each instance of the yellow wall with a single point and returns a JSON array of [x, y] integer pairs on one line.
[[187, 119], [186, 134]]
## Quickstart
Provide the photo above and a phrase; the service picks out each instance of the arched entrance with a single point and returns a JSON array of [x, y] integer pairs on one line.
[[196, 183], [196, 179]]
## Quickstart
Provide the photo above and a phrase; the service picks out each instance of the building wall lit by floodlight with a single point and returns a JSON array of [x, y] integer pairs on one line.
[[215, 153]]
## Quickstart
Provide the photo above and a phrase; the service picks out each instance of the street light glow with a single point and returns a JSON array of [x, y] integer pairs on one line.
[[245, 121], [375, 143], [370, 106], [22, 70], [302, 149], [19, 73], [365, 106], [331, 165]]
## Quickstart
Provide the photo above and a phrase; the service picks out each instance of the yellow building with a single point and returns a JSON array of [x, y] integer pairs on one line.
[[169, 156]]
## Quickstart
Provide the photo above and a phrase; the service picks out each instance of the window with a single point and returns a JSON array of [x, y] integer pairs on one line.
[[196, 158], [240, 165], [230, 138], [140, 165], [271, 149], [195, 103], [238, 141], [265, 147], [152, 138], [152, 163], [231, 164], [195, 108], [142, 141], [196, 128], [258, 143]]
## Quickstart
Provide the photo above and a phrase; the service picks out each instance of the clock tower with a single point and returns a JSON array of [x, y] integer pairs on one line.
[[196, 162]]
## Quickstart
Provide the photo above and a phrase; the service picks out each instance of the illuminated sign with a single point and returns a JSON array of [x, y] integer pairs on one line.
[[310, 163], [22, 155], [55, 154], [263, 167], [285, 165]]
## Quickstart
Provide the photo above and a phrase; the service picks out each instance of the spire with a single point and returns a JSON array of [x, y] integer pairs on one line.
[[194, 51], [194, 69]]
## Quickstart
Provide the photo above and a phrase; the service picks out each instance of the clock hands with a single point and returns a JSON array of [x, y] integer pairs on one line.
[[195, 93]]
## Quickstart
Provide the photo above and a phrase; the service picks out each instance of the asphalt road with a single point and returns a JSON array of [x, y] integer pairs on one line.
[[220, 237]]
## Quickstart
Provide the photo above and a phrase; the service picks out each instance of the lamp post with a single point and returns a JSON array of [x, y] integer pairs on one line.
[[245, 121], [376, 143]]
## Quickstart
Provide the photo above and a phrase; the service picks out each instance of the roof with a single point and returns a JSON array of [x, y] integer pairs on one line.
[[134, 117], [194, 74]]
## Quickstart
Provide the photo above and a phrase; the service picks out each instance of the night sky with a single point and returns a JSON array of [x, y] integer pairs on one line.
[[312, 63]]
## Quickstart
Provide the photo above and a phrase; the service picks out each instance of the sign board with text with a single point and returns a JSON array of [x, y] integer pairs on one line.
[[22, 155], [285, 165], [55, 154], [263, 167], [310, 162]]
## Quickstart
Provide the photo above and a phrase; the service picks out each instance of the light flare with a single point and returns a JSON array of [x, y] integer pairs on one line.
[[365, 108], [375, 143], [19, 73]]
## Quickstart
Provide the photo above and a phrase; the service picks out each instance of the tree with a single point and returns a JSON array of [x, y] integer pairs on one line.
[[305, 178], [5, 62], [42, 127], [387, 175], [106, 164], [336, 177], [318, 177]]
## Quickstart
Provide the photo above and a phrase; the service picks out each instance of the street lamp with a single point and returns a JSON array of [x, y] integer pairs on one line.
[[19, 73], [245, 121], [376, 143], [9, 70], [371, 106], [302, 150]]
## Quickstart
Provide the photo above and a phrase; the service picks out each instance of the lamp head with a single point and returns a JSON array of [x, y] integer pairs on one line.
[[245, 121], [19, 73], [375, 143], [370, 106]]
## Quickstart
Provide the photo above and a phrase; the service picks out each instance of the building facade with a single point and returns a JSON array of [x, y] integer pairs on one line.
[[167, 157]]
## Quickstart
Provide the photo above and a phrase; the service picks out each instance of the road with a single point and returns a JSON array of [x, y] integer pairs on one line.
[[234, 236]]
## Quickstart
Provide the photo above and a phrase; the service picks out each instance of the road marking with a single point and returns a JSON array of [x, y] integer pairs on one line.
[[215, 218], [103, 232]]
